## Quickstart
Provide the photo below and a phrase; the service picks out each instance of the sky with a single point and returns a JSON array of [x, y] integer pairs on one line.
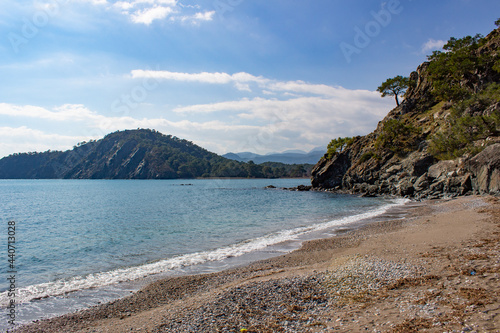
[[229, 75]]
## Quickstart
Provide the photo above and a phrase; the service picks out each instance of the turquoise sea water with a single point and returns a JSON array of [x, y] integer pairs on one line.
[[75, 238]]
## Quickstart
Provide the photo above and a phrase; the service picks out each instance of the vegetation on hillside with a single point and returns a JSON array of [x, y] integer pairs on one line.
[[454, 111], [467, 77], [464, 77], [465, 129], [398, 137], [453, 72], [338, 145], [139, 154]]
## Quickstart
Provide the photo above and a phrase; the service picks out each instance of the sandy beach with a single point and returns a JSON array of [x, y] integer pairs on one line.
[[437, 270]]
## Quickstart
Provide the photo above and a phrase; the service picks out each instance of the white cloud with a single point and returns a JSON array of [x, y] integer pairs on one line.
[[203, 77], [303, 110], [148, 15], [432, 45], [68, 112], [242, 86], [285, 115], [206, 16], [199, 17], [242, 81], [301, 122], [124, 5], [98, 2], [24, 139], [260, 124], [147, 11]]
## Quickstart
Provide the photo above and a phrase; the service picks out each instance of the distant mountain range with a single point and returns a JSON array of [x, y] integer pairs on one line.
[[138, 154], [287, 157]]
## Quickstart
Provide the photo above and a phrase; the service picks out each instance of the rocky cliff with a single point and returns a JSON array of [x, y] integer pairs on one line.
[[442, 141]]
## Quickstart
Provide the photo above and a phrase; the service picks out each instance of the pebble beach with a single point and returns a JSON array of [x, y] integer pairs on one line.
[[437, 270]]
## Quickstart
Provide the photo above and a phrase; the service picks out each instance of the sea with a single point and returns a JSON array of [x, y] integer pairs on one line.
[[80, 243]]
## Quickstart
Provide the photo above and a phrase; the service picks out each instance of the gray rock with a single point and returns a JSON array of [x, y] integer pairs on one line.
[[422, 182], [330, 173], [406, 188], [372, 189], [384, 187], [466, 185], [452, 185], [394, 169], [437, 187], [417, 163], [363, 187], [442, 168], [303, 188], [485, 168]]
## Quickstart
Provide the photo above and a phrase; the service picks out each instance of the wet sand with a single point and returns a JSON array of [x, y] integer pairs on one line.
[[437, 270]]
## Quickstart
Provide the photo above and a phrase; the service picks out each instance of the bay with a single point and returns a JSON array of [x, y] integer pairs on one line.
[[82, 235]]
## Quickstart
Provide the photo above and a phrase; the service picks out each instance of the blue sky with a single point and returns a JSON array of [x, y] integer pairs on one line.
[[229, 75]]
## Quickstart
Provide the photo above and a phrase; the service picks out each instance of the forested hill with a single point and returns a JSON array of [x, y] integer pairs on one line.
[[443, 140], [137, 154]]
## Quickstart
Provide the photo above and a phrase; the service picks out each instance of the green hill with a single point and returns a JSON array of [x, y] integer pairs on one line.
[[137, 154]]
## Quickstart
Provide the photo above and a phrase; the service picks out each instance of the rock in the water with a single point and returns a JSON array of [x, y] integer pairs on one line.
[[303, 188]]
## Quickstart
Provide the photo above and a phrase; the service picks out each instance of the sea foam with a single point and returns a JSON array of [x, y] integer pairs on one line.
[[101, 279]]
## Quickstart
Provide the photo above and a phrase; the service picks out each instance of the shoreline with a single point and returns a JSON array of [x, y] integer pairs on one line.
[[299, 291], [58, 298]]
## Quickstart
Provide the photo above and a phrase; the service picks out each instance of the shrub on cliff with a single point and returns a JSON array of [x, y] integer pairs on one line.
[[398, 137], [453, 72], [338, 145], [468, 122]]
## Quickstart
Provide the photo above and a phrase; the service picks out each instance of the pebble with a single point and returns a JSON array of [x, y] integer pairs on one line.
[[295, 304], [364, 274]]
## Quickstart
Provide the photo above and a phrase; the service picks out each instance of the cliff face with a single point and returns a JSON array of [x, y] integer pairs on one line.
[[400, 157]]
